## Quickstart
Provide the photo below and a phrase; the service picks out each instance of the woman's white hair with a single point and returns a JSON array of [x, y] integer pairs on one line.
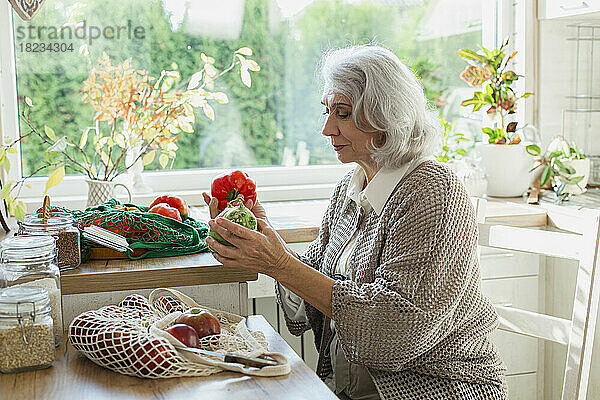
[[386, 98]]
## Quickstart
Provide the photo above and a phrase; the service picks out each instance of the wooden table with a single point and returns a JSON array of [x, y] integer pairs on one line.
[[73, 376], [297, 221]]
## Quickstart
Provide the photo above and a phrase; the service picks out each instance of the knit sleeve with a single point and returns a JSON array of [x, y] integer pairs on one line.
[[313, 257], [426, 266]]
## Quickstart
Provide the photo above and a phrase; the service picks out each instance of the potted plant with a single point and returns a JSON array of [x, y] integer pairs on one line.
[[453, 151], [504, 158], [138, 118], [563, 165]]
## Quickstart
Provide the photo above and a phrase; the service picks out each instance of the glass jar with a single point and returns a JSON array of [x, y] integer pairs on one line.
[[26, 329], [59, 225], [30, 261]]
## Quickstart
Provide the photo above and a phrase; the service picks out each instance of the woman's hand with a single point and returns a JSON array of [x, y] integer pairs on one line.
[[261, 251], [213, 205]]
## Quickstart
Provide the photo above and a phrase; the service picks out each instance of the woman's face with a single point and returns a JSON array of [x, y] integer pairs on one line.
[[349, 142]]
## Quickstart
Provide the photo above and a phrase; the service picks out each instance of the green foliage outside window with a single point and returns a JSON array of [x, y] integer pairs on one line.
[[283, 106]]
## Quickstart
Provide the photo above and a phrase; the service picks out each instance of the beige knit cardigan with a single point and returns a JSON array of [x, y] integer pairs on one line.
[[413, 312]]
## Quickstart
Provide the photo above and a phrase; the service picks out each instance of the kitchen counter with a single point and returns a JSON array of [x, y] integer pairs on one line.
[[73, 376]]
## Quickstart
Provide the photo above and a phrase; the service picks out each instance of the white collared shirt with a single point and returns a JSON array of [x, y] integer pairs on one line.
[[373, 196]]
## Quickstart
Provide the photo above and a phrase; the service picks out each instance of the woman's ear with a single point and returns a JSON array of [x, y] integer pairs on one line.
[[378, 139]]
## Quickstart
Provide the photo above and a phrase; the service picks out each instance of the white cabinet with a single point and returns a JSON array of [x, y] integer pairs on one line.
[[548, 9], [511, 278]]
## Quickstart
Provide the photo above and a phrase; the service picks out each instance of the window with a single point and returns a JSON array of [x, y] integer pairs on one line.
[[272, 127]]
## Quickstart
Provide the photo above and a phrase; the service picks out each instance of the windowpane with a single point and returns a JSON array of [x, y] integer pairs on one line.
[[275, 122]]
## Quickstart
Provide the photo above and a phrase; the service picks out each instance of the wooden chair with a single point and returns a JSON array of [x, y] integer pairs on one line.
[[574, 234]]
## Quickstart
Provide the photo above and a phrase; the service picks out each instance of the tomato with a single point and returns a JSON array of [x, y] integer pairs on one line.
[[133, 209], [227, 187], [166, 211], [174, 201]]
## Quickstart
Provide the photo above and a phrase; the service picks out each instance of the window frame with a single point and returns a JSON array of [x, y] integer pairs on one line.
[[276, 183]]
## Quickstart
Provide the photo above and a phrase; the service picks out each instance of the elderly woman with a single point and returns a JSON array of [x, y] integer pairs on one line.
[[391, 286]]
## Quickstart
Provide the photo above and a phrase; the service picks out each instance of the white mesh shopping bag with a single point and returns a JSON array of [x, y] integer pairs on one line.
[[129, 339]]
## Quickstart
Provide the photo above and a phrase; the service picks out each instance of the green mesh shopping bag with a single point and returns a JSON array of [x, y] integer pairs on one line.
[[159, 235]]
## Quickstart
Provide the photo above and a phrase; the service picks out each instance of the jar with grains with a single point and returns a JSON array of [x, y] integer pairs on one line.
[[26, 329], [59, 225], [30, 261]]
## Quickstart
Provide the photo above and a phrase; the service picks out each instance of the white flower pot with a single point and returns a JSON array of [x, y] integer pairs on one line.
[[506, 168], [582, 168]]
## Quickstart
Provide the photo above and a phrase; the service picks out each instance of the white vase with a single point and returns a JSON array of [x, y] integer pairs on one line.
[[582, 168], [135, 171], [506, 168], [102, 191]]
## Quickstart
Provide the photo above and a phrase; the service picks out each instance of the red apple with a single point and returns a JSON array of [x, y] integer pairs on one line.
[[184, 333], [151, 357], [201, 320]]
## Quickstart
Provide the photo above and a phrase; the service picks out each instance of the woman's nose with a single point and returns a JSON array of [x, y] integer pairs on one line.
[[329, 129]]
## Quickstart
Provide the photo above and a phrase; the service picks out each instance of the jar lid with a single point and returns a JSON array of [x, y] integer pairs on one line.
[[28, 248], [54, 221], [18, 301], [25, 242]]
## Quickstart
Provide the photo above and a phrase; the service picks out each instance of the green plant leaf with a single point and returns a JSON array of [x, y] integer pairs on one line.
[[186, 126], [533, 149], [246, 80], [148, 157], [470, 55], [488, 131], [576, 180], [208, 111], [220, 97], [104, 157], [526, 95], [163, 160], [11, 150], [253, 65], [210, 70], [6, 189], [120, 140], [545, 177], [6, 164], [55, 177], [49, 132], [195, 80], [245, 51], [477, 101], [19, 211]]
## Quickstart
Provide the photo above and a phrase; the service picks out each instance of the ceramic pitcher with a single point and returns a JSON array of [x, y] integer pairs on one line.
[[101, 191]]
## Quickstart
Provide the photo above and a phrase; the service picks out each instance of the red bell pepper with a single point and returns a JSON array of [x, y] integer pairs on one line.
[[227, 187]]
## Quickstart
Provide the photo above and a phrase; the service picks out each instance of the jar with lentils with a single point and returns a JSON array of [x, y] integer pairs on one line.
[[30, 261], [26, 329], [61, 226]]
